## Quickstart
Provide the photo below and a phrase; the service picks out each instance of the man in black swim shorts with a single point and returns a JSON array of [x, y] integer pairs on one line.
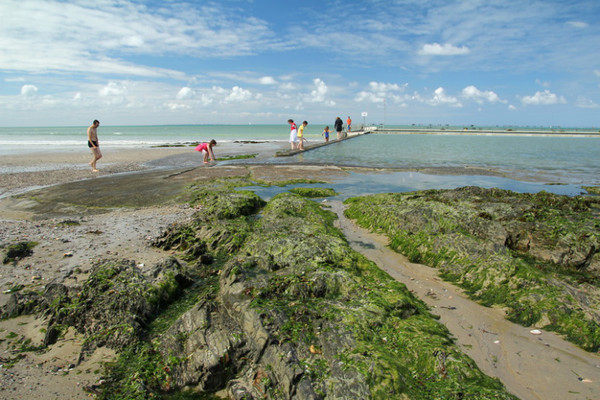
[[92, 134]]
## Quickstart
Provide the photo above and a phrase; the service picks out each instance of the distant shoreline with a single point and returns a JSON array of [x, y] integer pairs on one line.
[[504, 132]]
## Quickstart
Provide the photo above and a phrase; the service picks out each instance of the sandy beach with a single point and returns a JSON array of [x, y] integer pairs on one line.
[[117, 214]]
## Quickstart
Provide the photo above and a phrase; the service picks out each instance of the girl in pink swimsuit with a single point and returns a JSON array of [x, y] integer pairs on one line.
[[206, 149]]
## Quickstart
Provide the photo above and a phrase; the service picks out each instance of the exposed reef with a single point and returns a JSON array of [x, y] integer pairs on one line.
[[260, 300], [536, 255]]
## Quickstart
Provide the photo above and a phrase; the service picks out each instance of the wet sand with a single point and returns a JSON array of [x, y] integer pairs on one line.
[[23, 172], [119, 213]]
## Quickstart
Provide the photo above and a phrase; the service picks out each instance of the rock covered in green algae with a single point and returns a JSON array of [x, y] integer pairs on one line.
[[298, 314], [285, 310], [592, 189], [313, 192], [112, 306], [536, 254], [18, 251], [220, 200]]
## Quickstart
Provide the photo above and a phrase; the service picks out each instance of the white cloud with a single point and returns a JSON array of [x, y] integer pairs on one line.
[[578, 24], [583, 102], [217, 90], [472, 93], [185, 93], [440, 97], [288, 87], [386, 87], [378, 92], [543, 98], [48, 35], [177, 106], [369, 97], [512, 108], [542, 83], [238, 94], [267, 80], [597, 72], [112, 89], [447, 49], [319, 93], [206, 99], [29, 90]]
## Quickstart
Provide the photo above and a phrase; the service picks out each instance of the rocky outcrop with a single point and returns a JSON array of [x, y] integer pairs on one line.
[[296, 314], [111, 308], [17, 251], [535, 254], [268, 305]]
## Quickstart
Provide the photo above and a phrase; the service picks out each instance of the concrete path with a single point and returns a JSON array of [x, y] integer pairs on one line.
[[349, 135]]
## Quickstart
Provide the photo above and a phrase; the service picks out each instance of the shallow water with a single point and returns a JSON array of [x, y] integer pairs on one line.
[[358, 184], [564, 163], [562, 159]]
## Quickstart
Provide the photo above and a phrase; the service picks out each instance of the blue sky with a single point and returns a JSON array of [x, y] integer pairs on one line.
[[481, 62]]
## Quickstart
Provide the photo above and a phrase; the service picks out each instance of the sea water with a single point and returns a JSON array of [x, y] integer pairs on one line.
[[561, 163], [570, 159], [24, 140]]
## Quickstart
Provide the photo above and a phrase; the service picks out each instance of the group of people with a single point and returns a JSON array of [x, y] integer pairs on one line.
[[297, 138], [94, 145]]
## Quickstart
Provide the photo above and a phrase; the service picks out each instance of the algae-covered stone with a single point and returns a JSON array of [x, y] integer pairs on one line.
[[313, 192], [17, 251], [294, 313], [536, 254], [224, 202], [111, 308], [592, 189]]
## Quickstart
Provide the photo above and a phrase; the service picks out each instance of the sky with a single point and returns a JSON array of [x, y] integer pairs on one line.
[[400, 62]]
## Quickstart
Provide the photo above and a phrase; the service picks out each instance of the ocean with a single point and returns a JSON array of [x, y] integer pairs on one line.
[[561, 162], [554, 159], [23, 140]]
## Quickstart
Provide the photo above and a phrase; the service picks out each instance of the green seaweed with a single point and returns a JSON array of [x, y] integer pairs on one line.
[[387, 324], [592, 189], [237, 157], [140, 372], [18, 251], [457, 232], [314, 192], [312, 292], [287, 182]]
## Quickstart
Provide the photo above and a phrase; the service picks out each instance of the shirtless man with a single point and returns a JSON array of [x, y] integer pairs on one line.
[[92, 134]]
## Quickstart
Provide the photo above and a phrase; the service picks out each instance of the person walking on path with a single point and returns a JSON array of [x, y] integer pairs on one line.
[[349, 123], [325, 133], [206, 149], [301, 139], [293, 134], [338, 127], [93, 144]]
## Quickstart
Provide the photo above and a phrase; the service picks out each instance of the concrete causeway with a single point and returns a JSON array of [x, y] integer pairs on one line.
[[348, 135]]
